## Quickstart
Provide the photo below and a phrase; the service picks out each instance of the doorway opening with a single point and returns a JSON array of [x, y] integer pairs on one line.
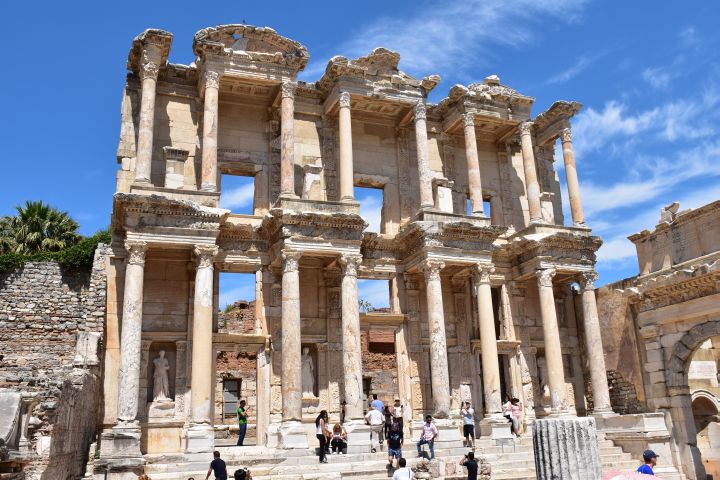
[[237, 193]]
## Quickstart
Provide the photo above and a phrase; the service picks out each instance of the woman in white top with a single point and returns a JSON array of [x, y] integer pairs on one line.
[[321, 432]]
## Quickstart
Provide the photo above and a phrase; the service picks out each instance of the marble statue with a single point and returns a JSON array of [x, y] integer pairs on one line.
[[161, 385], [308, 374]]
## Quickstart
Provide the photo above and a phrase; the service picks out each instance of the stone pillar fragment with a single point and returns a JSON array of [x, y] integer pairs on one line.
[[287, 139], [473, 166], [553, 347], [531, 181], [424, 172], [438, 344], [573, 185], [291, 342], [210, 132], [594, 347], [566, 449], [346, 154], [488, 341], [151, 58], [352, 352]]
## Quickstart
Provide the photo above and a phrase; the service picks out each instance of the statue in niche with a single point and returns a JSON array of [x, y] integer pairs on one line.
[[308, 374], [161, 385], [543, 372]]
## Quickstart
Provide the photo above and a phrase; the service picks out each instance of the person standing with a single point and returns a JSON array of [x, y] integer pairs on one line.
[[376, 420], [378, 404], [388, 421], [469, 462], [397, 413], [650, 459], [395, 442], [242, 413], [321, 432], [403, 473], [429, 433], [217, 467], [516, 416], [468, 415]]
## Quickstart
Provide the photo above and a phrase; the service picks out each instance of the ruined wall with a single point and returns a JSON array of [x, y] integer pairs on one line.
[[42, 311], [380, 363]]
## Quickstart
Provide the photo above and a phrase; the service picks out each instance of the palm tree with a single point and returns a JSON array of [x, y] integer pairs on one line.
[[7, 241], [38, 227]]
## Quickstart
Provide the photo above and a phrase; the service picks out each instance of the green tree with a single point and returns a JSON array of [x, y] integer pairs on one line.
[[365, 306], [37, 227]]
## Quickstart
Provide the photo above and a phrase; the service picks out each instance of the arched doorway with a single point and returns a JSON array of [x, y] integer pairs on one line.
[[703, 380]]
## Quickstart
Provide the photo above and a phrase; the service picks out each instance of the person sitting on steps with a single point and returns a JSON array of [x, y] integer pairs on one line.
[[338, 440]]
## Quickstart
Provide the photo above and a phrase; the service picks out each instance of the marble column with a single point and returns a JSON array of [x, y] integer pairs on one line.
[[473, 165], [424, 172], [346, 154], [130, 340], [531, 182], [148, 75], [352, 352], [291, 340], [553, 347], [210, 132], [439, 376], [573, 185], [488, 342], [287, 139], [593, 345]]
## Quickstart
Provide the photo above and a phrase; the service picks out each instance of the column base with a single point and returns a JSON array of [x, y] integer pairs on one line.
[[200, 438], [603, 413], [496, 427], [358, 440], [122, 442], [292, 434], [206, 187]]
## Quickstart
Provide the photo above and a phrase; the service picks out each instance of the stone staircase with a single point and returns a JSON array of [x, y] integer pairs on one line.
[[510, 459]]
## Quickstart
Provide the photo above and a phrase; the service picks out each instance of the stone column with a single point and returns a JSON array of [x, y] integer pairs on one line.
[[439, 375], [572, 179], [346, 154], [421, 139], [566, 449], [291, 341], [553, 348], [593, 344], [473, 166], [352, 352], [130, 340], [287, 139], [531, 181], [488, 342], [210, 132], [152, 56]]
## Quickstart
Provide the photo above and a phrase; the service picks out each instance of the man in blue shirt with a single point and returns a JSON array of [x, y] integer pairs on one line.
[[650, 458], [378, 404]]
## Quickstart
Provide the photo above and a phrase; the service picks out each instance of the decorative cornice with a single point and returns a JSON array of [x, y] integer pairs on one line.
[[136, 252], [545, 277]]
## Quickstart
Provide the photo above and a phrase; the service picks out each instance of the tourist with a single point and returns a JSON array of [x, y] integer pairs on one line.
[[468, 416], [516, 416], [321, 432], [375, 419], [338, 440], [506, 409], [217, 468], [429, 432], [242, 474], [397, 412], [650, 459], [469, 462], [395, 442], [378, 404], [403, 472], [342, 411], [388, 421], [242, 413]]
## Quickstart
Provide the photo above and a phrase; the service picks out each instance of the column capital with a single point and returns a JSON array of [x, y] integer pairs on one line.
[[149, 69], [344, 100], [482, 272], [350, 264], [432, 268], [566, 135], [587, 280], [291, 261], [211, 78], [136, 252], [420, 111], [287, 89], [469, 119], [526, 128], [204, 255], [545, 277]]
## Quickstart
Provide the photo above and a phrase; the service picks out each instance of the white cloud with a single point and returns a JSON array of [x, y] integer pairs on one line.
[[377, 292], [236, 198], [688, 37], [578, 67], [371, 208], [657, 77]]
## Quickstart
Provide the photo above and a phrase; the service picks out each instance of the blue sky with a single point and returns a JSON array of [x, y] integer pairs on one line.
[[647, 72]]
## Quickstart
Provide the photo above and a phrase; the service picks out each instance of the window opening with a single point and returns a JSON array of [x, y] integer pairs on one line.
[[237, 193]]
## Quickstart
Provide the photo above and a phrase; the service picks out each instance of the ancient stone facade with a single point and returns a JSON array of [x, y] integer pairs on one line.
[[659, 328]]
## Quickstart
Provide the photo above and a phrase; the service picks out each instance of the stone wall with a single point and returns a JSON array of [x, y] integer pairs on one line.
[[380, 363], [43, 310]]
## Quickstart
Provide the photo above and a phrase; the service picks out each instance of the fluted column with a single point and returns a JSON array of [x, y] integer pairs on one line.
[[573, 185], [346, 153], [473, 166], [531, 181], [421, 139], [553, 347], [130, 340], [488, 342], [201, 399], [148, 75], [593, 343], [287, 139], [352, 353], [210, 131], [291, 340], [439, 375]]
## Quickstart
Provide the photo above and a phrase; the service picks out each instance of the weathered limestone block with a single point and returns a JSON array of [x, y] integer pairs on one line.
[[566, 448]]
